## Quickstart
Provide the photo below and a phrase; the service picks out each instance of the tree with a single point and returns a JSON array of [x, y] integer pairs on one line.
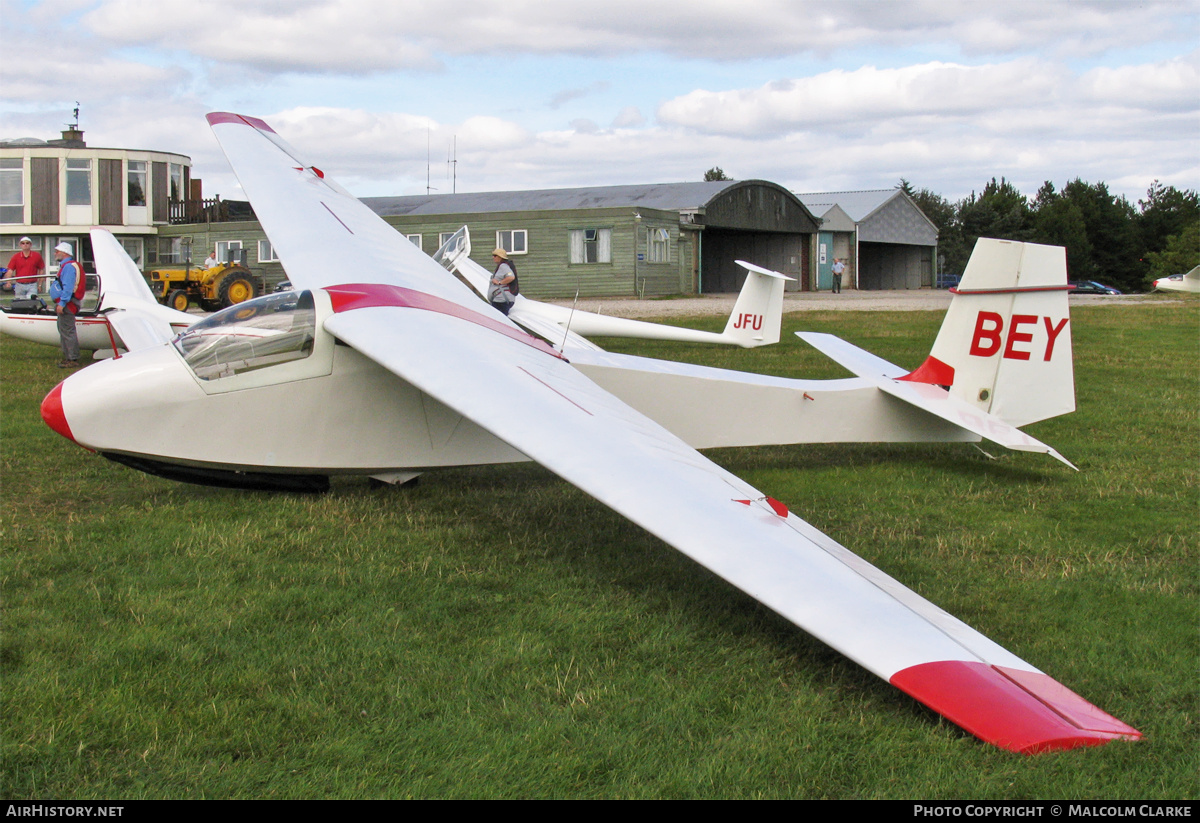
[[1059, 222], [714, 174], [1166, 212], [1111, 226], [1181, 254], [1001, 211]]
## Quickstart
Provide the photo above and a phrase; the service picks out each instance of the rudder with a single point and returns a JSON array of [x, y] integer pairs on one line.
[[1005, 344]]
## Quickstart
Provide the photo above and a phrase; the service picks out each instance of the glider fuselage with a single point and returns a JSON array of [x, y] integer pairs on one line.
[[358, 418]]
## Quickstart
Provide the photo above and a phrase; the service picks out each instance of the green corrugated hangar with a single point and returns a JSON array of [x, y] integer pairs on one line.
[[646, 240], [667, 238]]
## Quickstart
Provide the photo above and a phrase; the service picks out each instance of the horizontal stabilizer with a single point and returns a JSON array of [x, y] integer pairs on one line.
[[929, 398]]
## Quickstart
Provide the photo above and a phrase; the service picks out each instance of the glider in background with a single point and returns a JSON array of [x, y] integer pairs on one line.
[[125, 313], [404, 369], [755, 321], [1189, 282]]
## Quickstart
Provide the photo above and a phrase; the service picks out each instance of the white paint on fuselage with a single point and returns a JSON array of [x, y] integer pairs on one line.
[[92, 331], [355, 417]]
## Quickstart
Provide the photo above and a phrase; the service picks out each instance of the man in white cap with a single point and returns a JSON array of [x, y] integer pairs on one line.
[[27, 266], [67, 292]]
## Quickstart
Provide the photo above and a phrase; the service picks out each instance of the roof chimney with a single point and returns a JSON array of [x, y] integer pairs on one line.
[[72, 137]]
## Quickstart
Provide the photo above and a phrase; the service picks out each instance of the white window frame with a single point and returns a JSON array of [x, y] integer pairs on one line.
[[131, 178], [590, 242], [266, 252], [415, 239], [224, 247], [12, 190], [175, 251], [79, 169], [658, 245], [513, 241], [444, 236], [133, 247], [175, 192]]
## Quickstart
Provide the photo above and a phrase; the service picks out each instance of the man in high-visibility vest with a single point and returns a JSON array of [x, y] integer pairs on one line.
[[67, 292]]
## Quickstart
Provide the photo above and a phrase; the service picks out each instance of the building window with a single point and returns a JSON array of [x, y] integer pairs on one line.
[[591, 246], [133, 247], [513, 242], [229, 251], [12, 190], [658, 245], [137, 182], [266, 252], [12, 242], [415, 239], [165, 251], [79, 182], [443, 237], [176, 170]]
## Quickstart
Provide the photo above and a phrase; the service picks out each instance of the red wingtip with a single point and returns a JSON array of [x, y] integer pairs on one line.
[[52, 413], [216, 117], [1021, 711]]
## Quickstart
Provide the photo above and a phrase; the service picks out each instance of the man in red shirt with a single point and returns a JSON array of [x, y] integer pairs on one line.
[[27, 266]]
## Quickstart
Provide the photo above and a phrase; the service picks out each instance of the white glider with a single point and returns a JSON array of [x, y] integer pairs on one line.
[[125, 315], [403, 369], [755, 321], [1189, 282]]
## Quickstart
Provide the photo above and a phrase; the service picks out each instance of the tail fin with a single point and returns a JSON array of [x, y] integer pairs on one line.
[[758, 312], [1005, 345]]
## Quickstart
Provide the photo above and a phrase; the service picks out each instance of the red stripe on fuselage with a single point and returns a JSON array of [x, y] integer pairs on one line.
[[373, 295]]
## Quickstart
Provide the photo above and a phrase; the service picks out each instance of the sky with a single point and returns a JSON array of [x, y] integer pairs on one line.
[[526, 94]]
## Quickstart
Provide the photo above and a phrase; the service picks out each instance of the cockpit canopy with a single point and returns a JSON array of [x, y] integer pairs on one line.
[[266, 331]]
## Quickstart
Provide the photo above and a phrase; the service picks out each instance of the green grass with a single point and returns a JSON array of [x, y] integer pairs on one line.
[[495, 633]]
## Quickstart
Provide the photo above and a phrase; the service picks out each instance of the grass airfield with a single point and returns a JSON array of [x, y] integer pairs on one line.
[[495, 633]]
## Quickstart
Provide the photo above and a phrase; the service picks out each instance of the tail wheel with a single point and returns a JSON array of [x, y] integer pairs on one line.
[[236, 287], [178, 300]]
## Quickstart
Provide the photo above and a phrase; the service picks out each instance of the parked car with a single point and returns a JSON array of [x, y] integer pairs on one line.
[[1091, 287]]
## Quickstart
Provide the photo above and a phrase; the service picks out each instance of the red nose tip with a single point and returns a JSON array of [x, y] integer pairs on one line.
[[52, 413]]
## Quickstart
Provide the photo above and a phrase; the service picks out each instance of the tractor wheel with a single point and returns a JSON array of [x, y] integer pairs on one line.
[[178, 300], [236, 287]]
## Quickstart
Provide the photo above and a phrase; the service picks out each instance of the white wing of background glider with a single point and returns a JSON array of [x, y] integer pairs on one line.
[[933, 399], [127, 302], [432, 332], [755, 321]]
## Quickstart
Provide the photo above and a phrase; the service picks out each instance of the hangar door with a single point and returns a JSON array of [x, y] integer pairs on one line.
[[721, 248], [894, 266]]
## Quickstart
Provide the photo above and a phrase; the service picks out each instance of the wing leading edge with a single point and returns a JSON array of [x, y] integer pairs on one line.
[[484, 368]]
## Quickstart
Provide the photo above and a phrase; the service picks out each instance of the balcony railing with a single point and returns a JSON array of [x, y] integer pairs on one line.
[[210, 210]]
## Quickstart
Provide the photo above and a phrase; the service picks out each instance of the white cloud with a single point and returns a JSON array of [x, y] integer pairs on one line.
[[318, 36], [863, 97]]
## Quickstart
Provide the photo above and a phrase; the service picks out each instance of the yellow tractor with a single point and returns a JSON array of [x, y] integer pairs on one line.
[[213, 289]]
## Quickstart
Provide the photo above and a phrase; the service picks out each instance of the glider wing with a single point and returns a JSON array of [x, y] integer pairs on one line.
[[432, 332]]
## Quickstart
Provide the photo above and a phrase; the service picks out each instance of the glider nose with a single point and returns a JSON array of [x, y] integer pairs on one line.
[[53, 414]]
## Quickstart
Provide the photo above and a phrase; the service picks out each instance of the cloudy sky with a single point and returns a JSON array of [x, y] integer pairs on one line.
[[816, 96]]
